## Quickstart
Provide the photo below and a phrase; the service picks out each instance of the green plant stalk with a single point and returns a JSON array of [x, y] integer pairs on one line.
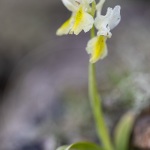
[[95, 101]]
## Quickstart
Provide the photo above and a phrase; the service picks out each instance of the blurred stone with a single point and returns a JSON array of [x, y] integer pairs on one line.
[[141, 131]]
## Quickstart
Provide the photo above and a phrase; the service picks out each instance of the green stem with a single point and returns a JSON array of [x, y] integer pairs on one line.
[[95, 100]]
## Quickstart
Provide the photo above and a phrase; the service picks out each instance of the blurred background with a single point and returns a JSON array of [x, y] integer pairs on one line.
[[43, 78]]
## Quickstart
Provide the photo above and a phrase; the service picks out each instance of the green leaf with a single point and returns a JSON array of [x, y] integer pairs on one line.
[[81, 146], [123, 131], [62, 147]]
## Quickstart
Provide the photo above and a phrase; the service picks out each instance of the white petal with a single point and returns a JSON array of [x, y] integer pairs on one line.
[[101, 20], [70, 5], [104, 31], [99, 6], [90, 45], [101, 23], [115, 17], [86, 5], [84, 23], [90, 1], [106, 23], [89, 21]]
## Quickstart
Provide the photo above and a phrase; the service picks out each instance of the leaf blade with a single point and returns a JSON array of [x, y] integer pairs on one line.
[[81, 146], [123, 131]]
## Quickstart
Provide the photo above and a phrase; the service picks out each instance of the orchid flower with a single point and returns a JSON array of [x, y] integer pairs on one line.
[[80, 18], [104, 24]]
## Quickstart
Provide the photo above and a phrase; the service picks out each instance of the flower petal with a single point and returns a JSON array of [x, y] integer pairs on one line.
[[70, 5], [115, 17], [82, 21], [101, 23], [106, 23], [86, 5], [99, 7], [89, 1], [97, 48], [65, 27]]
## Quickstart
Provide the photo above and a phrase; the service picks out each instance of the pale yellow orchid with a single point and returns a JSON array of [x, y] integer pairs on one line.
[[97, 46], [80, 18]]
